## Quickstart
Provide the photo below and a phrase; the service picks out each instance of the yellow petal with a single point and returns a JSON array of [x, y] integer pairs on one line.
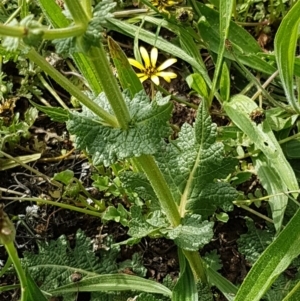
[[167, 76], [154, 54], [155, 79], [166, 64], [145, 57], [141, 75], [171, 3], [136, 64], [142, 79]]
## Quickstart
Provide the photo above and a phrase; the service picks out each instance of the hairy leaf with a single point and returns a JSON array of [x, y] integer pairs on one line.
[[254, 242], [139, 183], [193, 233], [192, 166], [107, 145]]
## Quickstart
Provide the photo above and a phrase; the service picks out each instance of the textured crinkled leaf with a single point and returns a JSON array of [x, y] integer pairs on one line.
[[107, 145], [138, 227], [56, 262], [213, 260], [193, 163], [65, 46], [135, 264], [192, 234], [93, 34], [119, 215], [139, 183], [254, 242]]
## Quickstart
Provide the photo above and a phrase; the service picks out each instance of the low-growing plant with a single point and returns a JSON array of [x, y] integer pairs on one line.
[[175, 187]]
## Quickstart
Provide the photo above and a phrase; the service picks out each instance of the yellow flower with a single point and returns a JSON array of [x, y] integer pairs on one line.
[[162, 5], [149, 69]]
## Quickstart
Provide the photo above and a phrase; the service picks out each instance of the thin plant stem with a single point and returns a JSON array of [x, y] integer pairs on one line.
[[52, 91], [256, 213], [266, 83], [36, 172], [57, 204]]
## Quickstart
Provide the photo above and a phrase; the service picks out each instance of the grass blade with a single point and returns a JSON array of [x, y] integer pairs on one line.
[[285, 46], [126, 75], [274, 260], [225, 17], [114, 283], [185, 288]]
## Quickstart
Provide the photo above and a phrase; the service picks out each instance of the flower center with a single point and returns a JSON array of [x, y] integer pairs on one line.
[[150, 71]]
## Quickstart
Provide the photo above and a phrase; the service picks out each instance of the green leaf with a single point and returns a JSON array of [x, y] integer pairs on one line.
[[225, 17], [254, 242], [34, 292], [139, 183], [56, 262], [197, 83], [272, 182], [54, 13], [107, 145], [193, 233], [65, 176], [66, 46], [213, 260], [138, 226], [119, 215], [101, 12], [113, 283], [274, 260], [126, 75], [239, 109], [56, 114], [185, 288], [245, 46], [292, 149], [93, 33], [285, 47], [192, 163], [135, 264], [188, 44], [225, 82], [225, 286]]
